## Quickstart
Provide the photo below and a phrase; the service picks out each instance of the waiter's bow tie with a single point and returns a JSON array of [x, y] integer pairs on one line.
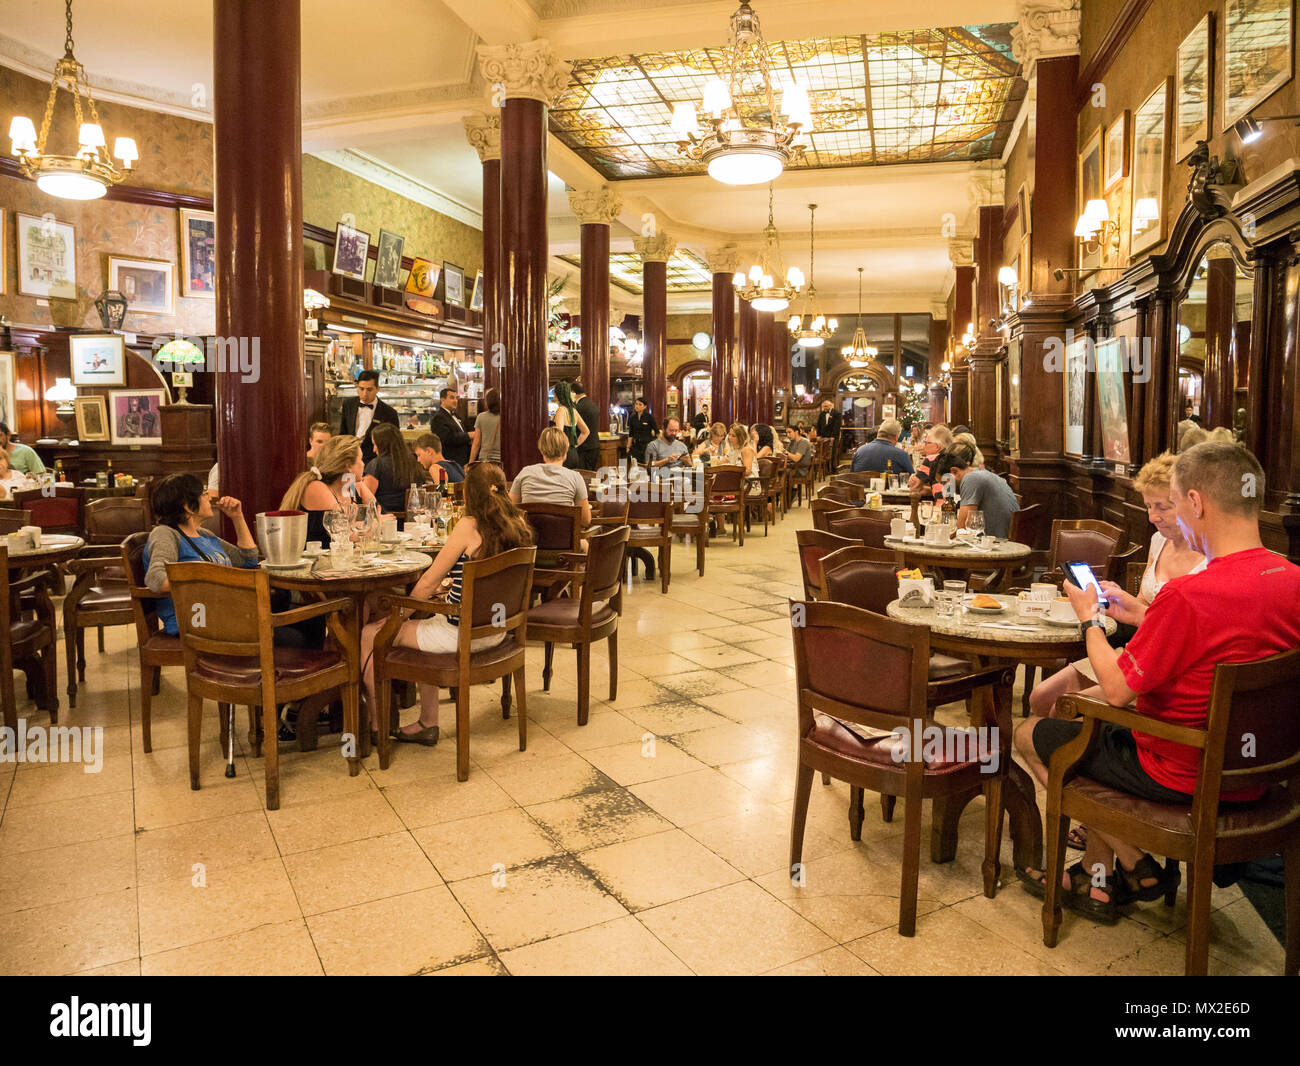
[[368, 406]]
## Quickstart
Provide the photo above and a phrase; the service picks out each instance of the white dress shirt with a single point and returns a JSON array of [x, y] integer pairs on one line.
[[365, 415]]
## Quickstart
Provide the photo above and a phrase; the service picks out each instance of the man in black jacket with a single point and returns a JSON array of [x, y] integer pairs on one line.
[[589, 449], [828, 425], [450, 429], [364, 411], [644, 429]]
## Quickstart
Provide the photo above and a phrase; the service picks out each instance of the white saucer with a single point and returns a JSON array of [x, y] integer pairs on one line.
[[304, 561], [985, 610], [1058, 622]]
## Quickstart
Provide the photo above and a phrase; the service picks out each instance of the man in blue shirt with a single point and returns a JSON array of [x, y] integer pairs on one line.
[[983, 491], [883, 453]]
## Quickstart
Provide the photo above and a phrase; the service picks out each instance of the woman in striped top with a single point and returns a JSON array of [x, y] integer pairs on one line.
[[492, 524]]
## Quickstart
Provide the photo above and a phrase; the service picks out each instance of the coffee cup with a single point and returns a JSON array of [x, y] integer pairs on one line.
[[898, 527], [388, 527], [313, 547], [34, 533], [1062, 610], [1043, 590]]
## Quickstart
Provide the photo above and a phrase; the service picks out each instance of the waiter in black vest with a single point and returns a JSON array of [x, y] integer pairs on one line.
[[364, 411], [589, 449], [450, 429], [828, 425]]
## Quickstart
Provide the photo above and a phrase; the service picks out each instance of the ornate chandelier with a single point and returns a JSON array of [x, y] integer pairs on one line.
[[88, 174], [858, 352], [760, 287], [745, 146], [820, 328]]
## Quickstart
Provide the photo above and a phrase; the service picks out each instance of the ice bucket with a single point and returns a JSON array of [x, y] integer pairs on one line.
[[281, 536]]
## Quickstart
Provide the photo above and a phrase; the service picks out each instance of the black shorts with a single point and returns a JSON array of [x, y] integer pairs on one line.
[[1113, 761]]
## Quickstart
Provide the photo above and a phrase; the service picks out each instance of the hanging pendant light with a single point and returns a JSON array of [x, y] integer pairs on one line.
[[818, 329], [88, 174], [858, 352], [759, 286]]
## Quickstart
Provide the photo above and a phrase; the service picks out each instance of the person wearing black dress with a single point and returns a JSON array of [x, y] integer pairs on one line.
[[644, 429]]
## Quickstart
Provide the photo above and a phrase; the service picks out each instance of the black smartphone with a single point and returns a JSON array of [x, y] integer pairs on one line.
[[1081, 575]]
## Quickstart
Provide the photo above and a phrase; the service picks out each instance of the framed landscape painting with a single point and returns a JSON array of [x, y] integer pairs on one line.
[[47, 257], [97, 360], [1256, 53], [1192, 89]]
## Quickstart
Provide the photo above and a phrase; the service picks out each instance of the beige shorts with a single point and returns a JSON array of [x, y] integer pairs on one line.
[[437, 636]]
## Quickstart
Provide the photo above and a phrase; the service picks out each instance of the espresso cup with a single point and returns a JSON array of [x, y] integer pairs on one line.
[[1062, 611], [1043, 590], [34, 532], [313, 547]]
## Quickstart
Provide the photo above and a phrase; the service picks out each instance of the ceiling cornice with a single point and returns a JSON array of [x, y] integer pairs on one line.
[[394, 180]]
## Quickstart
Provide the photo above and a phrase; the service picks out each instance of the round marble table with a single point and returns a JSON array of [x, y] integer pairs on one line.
[[955, 560], [55, 548], [989, 639]]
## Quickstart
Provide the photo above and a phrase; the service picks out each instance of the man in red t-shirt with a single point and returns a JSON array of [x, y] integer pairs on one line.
[[1242, 607]]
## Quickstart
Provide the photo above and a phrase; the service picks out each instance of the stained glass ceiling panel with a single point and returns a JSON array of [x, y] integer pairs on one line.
[[687, 272], [920, 96]]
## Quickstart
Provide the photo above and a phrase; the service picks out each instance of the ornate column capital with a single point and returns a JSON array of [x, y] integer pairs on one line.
[[987, 187], [961, 252], [595, 207], [656, 249], [724, 260], [529, 70], [483, 131], [939, 310], [1047, 29]]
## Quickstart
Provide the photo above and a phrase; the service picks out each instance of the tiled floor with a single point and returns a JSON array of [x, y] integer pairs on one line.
[[652, 840]]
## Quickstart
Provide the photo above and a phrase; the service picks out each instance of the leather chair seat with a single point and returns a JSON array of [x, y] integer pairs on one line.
[[1274, 808], [163, 642], [111, 598], [833, 736], [27, 630], [565, 613], [449, 660], [291, 664], [651, 535], [943, 667]]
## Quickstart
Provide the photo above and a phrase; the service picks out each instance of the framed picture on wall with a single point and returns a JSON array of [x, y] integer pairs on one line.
[[1111, 405], [388, 260], [1022, 202], [423, 279], [92, 417], [453, 280], [136, 415], [97, 360], [47, 257], [351, 247], [1192, 88], [1150, 140], [8, 401], [1089, 188], [147, 284], [1256, 54], [1115, 152], [476, 301], [198, 254], [1073, 395]]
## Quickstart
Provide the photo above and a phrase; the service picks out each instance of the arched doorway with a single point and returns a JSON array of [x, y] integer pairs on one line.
[[690, 388], [860, 395]]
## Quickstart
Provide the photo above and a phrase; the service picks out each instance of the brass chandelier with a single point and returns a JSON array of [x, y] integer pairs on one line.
[[87, 174], [858, 352], [745, 147], [820, 328], [759, 286]]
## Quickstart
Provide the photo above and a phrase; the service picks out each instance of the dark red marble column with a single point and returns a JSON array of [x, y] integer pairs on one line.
[[260, 409], [595, 317], [767, 356], [985, 358], [746, 360], [654, 364], [493, 306], [724, 348]]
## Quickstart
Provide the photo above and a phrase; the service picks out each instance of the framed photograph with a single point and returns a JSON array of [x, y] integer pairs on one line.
[[47, 257], [1089, 186], [1150, 138], [476, 301], [92, 417], [423, 279], [351, 247], [136, 415], [1192, 87], [388, 262], [97, 360], [1256, 53], [198, 254], [1115, 153], [1110, 400], [147, 284], [1075, 382], [8, 401], [453, 280]]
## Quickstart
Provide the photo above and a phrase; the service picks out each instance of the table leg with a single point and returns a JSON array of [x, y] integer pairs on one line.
[[363, 724]]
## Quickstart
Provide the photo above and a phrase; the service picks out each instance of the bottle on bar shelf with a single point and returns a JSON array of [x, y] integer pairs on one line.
[[889, 474]]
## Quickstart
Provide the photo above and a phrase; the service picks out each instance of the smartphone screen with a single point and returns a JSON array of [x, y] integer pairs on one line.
[[1081, 574]]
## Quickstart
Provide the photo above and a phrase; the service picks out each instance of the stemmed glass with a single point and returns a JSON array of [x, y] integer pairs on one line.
[[976, 526]]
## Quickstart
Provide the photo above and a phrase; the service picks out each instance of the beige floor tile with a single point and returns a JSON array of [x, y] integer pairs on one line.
[[636, 694], [652, 870], [125, 968], [37, 783], [469, 847], [677, 641], [699, 684], [726, 743], [307, 826], [284, 949], [619, 948], [738, 929], [488, 966], [74, 871], [1162, 957], [673, 716], [605, 817], [218, 843], [1239, 937], [648, 760], [603, 729], [720, 655], [69, 821], [177, 913], [946, 944], [528, 781], [420, 932], [659, 666], [360, 871], [696, 797], [740, 704], [770, 776], [499, 744], [157, 808], [444, 799], [415, 762], [535, 902], [70, 937], [757, 841], [761, 674], [836, 962]]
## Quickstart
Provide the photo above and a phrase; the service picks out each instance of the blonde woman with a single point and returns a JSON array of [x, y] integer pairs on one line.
[[337, 474], [969, 438], [715, 444], [739, 450]]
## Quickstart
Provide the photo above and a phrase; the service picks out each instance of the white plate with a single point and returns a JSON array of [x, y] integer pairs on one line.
[[1057, 622], [304, 561], [985, 610]]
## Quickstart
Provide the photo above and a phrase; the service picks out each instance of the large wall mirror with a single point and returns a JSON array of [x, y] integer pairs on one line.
[[1214, 322]]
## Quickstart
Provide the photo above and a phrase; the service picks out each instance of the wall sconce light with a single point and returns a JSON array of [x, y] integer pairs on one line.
[[969, 339], [1249, 130], [1096, 228]]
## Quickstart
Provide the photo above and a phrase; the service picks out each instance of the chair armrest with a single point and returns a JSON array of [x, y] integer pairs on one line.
[[143, 593], [84, 565], [579, 559], [38, 579], [1127, 719], [387, 604], [340, 604], [951, 689]]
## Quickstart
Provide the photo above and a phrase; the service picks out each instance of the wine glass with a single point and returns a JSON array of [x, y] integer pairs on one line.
[[976, 525]]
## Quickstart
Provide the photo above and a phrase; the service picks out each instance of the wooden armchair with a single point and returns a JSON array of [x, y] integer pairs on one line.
[[558, 532], [230, 656], [112, 520], [805, 483], [29, 644], [494, 602], [866, 527], [858, 667], [12, 519], [651, 527], [822, 510], [813, 545], [63, 512], [1245, 700], [727, 495], [764, 496], [691, 518], [99, 597]]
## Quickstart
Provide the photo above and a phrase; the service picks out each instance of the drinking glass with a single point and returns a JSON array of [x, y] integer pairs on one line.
[[944, 604], [957, 588], [976, 525], [924, 511]]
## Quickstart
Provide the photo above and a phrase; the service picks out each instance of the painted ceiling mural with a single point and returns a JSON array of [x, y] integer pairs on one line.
[[687, 272], [920, 96]]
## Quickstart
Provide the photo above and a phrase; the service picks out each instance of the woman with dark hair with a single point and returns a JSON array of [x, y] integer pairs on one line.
[[764, 441], [567, 418], [485, 437], [182, 502], [393, 470], [492, 525]]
